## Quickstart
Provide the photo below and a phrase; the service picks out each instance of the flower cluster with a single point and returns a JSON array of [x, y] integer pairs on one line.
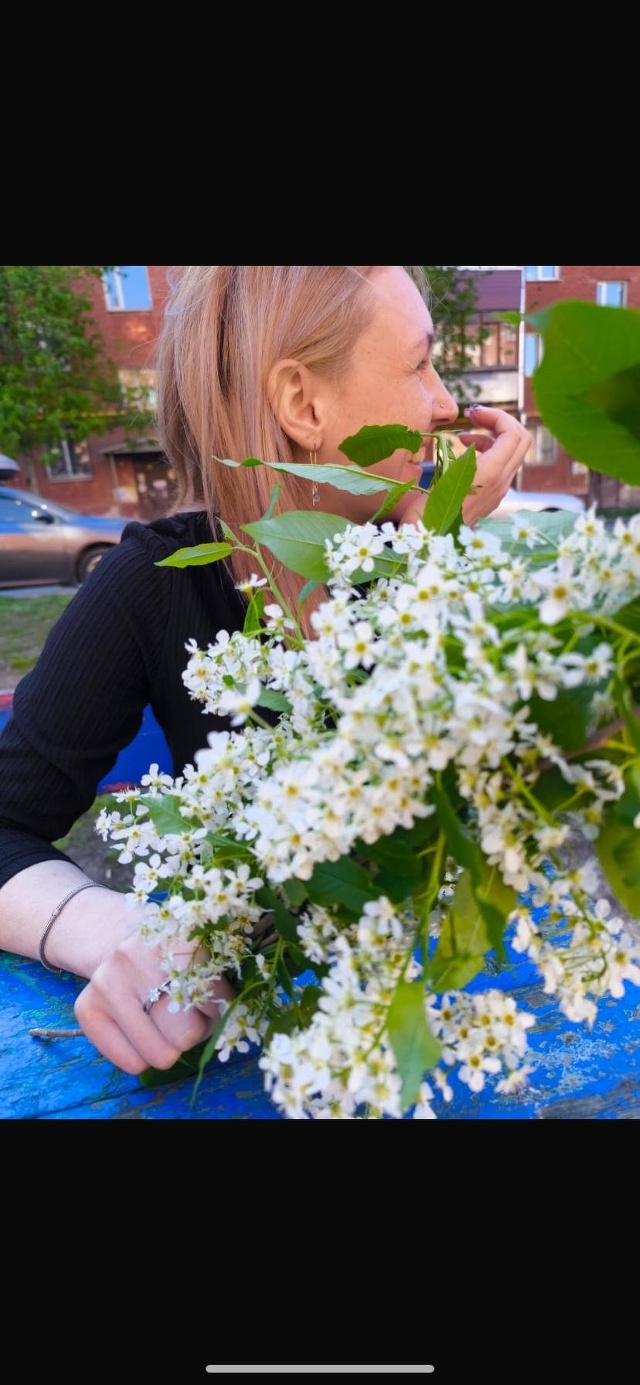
[[465, 708]]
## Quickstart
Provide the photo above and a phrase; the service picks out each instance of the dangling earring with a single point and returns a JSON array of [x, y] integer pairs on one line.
[[315, 489]]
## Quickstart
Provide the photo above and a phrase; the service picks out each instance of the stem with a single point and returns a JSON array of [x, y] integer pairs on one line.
[[429, 896], [526, 793], [255, 553], [57, 1033]]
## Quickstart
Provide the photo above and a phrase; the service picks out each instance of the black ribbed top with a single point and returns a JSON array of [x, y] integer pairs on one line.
[[118, 647]]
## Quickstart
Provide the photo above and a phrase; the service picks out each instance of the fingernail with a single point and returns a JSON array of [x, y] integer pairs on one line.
[[472, 408]]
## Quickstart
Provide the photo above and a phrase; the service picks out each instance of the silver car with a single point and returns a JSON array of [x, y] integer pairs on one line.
[[520, 500], [537, 500], [42, 542]]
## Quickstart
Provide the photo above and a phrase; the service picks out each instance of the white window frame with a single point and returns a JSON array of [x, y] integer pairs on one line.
[[118, 279], [535, 273], [543, 442], [532, 343], [601, 292]]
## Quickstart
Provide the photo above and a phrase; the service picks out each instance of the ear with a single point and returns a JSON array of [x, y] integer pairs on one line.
[[296, 395]]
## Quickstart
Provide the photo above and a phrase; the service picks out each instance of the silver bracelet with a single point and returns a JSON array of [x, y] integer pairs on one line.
[[87, 885]]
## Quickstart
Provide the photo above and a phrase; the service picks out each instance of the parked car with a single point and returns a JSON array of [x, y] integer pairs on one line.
[[520, 500], [537, 500], [42, 542]]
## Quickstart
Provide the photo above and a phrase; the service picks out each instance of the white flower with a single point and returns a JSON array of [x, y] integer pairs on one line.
[[421, 691]]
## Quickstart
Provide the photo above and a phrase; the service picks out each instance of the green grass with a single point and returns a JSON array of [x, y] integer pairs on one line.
[[25, 623]]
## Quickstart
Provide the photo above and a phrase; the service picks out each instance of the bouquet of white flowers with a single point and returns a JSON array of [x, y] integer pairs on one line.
[[466, 709]]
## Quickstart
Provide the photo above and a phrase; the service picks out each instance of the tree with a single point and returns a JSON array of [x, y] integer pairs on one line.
[[454, 296], [57, 381]]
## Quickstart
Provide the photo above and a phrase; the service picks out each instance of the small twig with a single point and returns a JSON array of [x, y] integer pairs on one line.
[[598, 738], [56, 1033]]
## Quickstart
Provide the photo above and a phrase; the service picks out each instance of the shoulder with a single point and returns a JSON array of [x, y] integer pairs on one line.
[[160, 537]]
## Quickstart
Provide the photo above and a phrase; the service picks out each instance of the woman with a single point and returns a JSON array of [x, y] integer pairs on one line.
[[280, 362]]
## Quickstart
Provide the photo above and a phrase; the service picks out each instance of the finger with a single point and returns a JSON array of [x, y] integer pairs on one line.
[[481, 441], [132, 1046], [115, 1021], [506, 454], [414, 510], [497, 419]]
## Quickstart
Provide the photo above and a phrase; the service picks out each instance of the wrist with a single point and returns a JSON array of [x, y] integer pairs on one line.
[[89, 927]]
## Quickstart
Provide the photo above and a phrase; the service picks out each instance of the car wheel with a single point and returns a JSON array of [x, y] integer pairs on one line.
[[90, 560]]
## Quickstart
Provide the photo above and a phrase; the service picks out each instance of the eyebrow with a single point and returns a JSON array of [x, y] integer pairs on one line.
[[427, 340]]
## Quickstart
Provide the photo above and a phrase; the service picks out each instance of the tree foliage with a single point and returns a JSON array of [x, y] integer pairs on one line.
[[56, 378], [454, 297]]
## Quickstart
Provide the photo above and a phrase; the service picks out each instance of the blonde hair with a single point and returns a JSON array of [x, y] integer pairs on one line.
[[224, 328]]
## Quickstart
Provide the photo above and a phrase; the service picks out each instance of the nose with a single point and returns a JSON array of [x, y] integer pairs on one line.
[[445, 409]]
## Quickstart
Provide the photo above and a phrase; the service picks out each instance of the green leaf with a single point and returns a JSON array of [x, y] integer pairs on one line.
[[197, 557], [617, 848], [286, 924], [275, 700], [464, 940], [344, 478], [393, 498], [461, 844], [164, 813], [308, 588], [187, 1065], [253, 618], [295, 892], [619, 397], [391, 853], [551, 789], [271, 507], [451, 972], [629, 616], [415, 1047], [553, 524], [297, 539], [375, 444], [586, 386], [446, 495], [342, 882], [468, 932], [567, 718], [292, 1018]]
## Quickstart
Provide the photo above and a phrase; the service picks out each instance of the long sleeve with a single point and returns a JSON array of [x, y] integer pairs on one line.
[[119, 646]]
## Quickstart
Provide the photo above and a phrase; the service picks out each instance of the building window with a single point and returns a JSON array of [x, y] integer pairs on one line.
[[497, 347], [535, 272], [126, 288], [543, 449], [139, 390], [612, 293], [532, 352], [68, 461]]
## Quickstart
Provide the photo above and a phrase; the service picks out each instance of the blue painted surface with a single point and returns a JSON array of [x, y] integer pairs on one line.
[[578, 1074], [67, 1079], [148, 748]]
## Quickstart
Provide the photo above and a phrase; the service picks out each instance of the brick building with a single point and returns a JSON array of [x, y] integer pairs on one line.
[[112, 474], [548, 466]]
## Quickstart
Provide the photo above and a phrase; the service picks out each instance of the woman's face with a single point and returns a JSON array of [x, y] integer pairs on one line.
[[391, 379]]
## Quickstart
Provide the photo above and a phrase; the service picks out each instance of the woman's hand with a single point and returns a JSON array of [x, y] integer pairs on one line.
[[110, 1010], [499, 458]]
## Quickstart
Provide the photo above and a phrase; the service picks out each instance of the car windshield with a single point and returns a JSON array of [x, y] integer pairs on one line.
[[60, 511]]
